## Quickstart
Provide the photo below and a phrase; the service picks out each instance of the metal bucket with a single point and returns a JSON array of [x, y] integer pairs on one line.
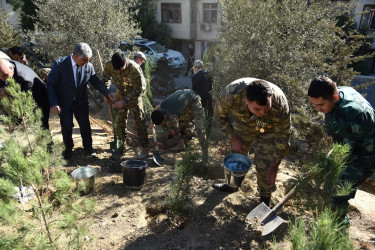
[[236, 167], [86, 176], [134, 172]]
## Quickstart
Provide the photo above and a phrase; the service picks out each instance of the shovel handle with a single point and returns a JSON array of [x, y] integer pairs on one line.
[[280, 204], [154, 136], [110, 111]]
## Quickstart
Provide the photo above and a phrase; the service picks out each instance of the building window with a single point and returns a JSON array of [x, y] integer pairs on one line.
[[171, 12], [210, 12], [368, 17]]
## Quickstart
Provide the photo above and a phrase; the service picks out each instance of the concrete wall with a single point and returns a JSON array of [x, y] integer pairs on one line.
[[179, 30]]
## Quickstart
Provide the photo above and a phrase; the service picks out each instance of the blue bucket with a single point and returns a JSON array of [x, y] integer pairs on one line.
[[236, 167]]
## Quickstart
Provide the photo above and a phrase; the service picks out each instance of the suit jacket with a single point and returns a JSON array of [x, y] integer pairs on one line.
[[202, 84], [61, 87], [25, 76]]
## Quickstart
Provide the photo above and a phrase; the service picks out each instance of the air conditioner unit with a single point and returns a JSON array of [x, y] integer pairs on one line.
[[205, 26]]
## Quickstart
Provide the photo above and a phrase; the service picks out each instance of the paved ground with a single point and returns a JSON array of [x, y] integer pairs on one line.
[[183, 82]]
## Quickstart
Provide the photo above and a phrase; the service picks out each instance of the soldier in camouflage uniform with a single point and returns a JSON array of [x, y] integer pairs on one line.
[[130, 88], [182, 113], [260, 118], [349, 119]]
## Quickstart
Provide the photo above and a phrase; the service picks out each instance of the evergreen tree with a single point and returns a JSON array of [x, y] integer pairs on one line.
[[9, 36], [27, 164], [27, 10]]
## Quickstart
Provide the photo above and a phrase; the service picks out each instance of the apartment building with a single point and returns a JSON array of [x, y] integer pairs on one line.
[[365, 18], [192, 21]]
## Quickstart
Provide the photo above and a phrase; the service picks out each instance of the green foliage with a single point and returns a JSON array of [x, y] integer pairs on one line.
[[25, 160], [101, 24], [147, 99], [287, 43], [324, 177], [28, 12], [151, 29], [323, 232], [178, 200], [345, 188], [9, 36]]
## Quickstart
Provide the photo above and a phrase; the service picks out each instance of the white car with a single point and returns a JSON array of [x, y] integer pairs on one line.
[[156, 51]]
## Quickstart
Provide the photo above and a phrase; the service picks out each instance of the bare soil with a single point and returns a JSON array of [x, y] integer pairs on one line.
[[134, 219]]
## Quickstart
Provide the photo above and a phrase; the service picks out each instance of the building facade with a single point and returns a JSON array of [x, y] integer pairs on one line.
[[365, 19], [192, 21]]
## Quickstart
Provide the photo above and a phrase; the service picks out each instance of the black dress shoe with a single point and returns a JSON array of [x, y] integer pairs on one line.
[[223, 187], [67, 154]]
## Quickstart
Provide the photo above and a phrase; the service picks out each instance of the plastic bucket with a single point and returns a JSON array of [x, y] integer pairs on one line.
[[85, 175], [134, 173], [235, 168]]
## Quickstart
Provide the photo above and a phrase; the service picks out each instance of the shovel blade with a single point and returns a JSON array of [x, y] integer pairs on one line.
[[271, 225], [157, 158], [260, 212]]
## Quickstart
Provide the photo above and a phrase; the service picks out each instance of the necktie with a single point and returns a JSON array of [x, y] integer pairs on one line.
[[78, 75]]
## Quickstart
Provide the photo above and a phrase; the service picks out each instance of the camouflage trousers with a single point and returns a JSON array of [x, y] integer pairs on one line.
[[266, 153], [136, 110]]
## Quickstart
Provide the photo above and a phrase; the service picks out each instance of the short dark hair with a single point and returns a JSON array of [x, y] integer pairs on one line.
[[258, 91], [157, 117], [16, 50], [322, 86], [118, 60]]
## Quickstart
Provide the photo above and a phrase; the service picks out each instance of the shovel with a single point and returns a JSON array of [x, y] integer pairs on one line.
[[268, 216], [156, 155], [113, 144]]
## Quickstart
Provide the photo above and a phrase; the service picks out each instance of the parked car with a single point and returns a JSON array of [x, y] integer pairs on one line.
[[154, 50]]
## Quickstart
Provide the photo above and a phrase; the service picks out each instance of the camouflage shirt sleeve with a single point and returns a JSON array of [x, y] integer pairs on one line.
[[222, 110]]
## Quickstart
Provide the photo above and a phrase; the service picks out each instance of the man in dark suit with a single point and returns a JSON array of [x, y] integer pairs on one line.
[[202, 85], [28, 80], [67, 93]]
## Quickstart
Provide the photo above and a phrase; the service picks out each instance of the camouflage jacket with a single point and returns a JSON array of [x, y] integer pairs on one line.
[[352, 122], [232, 102], [130, 83], [182, 107]]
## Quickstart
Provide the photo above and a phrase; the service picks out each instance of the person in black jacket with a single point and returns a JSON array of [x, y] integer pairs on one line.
[[202, 85], [28, 80]]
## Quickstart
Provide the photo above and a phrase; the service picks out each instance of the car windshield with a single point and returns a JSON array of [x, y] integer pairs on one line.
[[158, 47]]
